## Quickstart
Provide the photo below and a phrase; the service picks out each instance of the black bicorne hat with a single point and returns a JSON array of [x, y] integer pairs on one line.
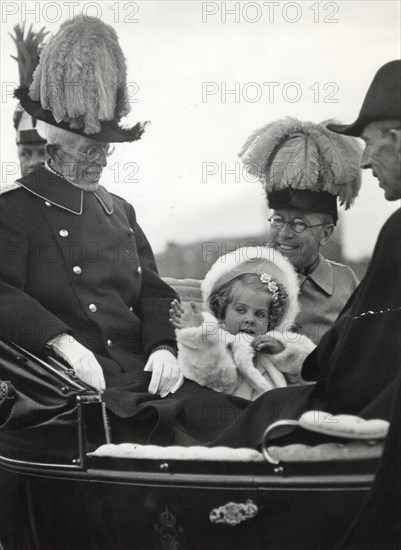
[[110, 131], [382, 101], [25, 127], [302, 199]]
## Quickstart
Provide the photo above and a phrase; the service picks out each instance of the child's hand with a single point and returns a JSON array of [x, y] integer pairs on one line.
[[186, 316], [267, 344]]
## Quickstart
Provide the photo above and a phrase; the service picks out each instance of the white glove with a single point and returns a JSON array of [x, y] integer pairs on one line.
[[80, 359], [166, 376]]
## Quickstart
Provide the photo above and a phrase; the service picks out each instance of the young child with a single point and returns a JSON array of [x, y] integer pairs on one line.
[[236, 345]]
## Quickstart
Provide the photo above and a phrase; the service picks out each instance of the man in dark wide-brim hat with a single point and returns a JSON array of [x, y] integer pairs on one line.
[[374, 314]]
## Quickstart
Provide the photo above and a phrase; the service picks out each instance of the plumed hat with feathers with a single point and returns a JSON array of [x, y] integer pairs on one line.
[[303, 165], [28, 44], [80, 83]]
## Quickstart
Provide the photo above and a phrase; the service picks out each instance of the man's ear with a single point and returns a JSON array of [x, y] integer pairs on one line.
[[396, 137], [327, 233], [53, 150]]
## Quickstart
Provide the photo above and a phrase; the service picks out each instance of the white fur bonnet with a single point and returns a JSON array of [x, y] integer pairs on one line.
[[255, 259]]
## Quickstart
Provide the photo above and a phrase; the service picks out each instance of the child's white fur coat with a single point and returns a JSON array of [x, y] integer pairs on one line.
[[227, 363]]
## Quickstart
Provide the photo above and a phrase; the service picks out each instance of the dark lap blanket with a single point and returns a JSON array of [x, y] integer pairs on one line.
[[195, 415]]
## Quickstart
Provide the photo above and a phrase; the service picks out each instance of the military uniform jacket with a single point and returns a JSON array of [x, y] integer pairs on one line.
[[78, 262], [323, 295]]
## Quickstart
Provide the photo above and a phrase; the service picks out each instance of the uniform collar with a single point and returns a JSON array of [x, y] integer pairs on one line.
[[322, 276], [51, 187]]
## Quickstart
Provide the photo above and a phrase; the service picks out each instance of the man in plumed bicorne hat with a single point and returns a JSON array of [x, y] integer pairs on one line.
[[80, 277], [305, 170]]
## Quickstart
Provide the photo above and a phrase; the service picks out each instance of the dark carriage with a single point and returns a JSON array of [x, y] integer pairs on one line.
[[73, 489]]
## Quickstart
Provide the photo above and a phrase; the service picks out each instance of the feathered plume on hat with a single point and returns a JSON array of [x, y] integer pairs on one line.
[[80, 84], [289, 154], [28, 46]]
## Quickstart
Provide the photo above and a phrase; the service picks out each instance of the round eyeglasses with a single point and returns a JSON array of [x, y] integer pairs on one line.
[[298, 226], [94, 152]]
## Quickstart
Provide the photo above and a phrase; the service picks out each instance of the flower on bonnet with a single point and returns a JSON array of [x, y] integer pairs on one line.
[[279, 297], [271, 284]]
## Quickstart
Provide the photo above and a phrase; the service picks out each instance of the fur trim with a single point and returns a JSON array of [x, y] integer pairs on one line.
[[243, 355], [81, 77], [266, 377], [212, 357], [203, 355], [265, 362], [303, 155], [297, 347], [255, 259]]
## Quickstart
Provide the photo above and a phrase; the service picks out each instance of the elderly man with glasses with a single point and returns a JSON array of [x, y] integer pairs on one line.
[[303, 170], [81, 276], [78, 274]]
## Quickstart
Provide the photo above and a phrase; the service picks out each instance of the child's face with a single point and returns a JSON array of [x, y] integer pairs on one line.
[[248, 312]]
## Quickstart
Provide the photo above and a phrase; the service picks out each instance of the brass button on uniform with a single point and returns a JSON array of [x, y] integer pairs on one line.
[[130, 231], [92, 308], [63, 233], [77, 270], [109, 343], [47, 203], [139, 270]]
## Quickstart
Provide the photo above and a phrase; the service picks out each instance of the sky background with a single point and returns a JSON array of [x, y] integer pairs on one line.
[[176, 51]]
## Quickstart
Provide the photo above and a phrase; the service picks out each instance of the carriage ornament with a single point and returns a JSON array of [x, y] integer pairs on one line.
[[233, 513]]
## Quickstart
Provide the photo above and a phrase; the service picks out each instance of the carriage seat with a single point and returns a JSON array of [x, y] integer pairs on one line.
[[189, 290], [366, 441]]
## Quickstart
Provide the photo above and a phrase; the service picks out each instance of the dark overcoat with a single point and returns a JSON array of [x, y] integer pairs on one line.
[[78, 262]]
